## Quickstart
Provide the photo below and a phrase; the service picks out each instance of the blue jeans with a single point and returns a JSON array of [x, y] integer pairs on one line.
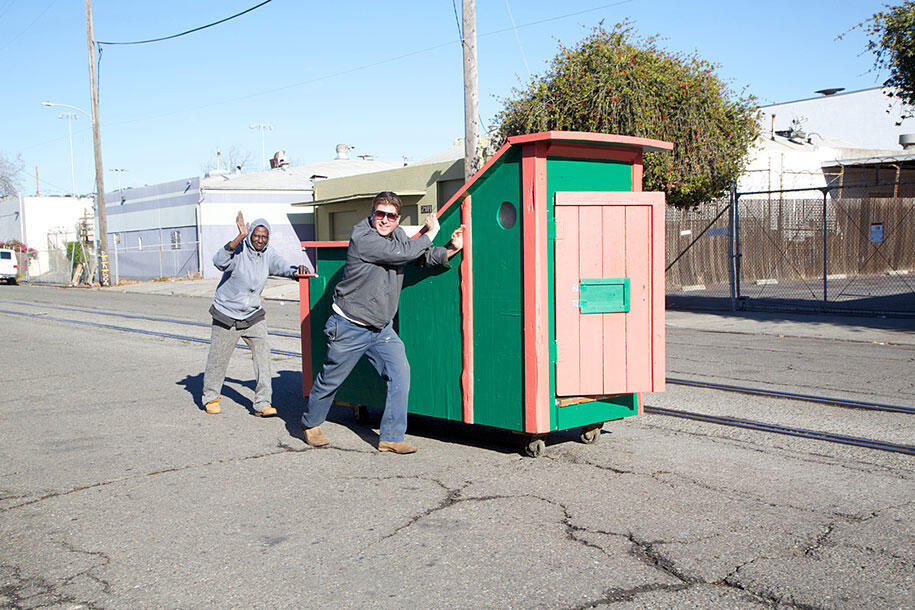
[[346, 343]]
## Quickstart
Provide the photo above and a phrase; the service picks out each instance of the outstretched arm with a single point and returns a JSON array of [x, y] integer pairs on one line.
[[242, 230]]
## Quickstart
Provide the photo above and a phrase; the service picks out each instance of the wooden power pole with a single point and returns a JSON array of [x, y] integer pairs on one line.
[[102, 237], [471, 93]]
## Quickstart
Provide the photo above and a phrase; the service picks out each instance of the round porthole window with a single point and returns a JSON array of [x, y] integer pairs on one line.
[[507, 215]]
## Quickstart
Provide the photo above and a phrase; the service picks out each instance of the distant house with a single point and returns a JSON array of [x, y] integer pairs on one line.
[[423, 186], [173, 228]]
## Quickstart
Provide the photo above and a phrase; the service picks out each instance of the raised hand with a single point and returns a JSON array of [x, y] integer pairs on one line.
[[242, 226]]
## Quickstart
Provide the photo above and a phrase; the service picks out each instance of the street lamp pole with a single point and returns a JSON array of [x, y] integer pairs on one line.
[[263, 127], [70, 116]]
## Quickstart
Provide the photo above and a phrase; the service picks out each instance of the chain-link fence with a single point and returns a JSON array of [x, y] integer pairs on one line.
[[79, 266], [766, 251]]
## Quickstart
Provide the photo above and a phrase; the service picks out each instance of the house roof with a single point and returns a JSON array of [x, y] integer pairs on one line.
[[892, 157], [295, 177]]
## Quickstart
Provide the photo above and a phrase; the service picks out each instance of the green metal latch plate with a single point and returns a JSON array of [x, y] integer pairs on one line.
[[604, 295]]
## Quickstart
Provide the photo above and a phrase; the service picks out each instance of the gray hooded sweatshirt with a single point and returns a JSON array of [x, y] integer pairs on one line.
[[244, 273]]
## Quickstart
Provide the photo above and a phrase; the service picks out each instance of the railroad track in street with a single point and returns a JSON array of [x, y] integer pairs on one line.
[[719, 420]]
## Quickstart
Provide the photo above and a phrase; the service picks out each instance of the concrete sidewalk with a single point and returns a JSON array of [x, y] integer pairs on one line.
[[899, 331]]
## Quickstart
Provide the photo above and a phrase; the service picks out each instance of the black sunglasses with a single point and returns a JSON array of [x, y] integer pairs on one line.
[[390, 215]]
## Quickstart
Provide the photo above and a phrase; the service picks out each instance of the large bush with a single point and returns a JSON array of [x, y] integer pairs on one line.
[[611, 82]]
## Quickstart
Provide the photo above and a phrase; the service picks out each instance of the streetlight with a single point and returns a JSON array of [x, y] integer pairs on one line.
[[70, 118], [263, 127]]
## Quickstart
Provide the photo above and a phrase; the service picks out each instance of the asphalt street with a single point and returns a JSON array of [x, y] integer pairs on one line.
[[118, 491]]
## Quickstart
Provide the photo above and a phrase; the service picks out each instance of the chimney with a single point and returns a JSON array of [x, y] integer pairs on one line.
[[342, 151]]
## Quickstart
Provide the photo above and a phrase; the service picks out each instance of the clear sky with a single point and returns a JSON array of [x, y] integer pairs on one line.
[[383, 77]]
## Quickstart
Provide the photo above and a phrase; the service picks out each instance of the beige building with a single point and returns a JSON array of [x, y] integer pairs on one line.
[[339, 203]]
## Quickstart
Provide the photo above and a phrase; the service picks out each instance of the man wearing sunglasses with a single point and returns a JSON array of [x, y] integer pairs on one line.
[[365, 302]]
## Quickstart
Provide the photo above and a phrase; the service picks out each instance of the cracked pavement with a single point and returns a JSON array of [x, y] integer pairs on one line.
[[117, 491]]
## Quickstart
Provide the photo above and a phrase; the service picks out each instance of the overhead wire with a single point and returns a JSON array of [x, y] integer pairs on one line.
[[185, 33]]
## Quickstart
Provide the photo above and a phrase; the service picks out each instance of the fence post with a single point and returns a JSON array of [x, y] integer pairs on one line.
[[825, 232], [731, 247], [738, 255]]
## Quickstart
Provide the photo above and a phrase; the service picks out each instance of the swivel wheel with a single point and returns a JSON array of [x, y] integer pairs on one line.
[[535, 447], [361, 414], [590, 434]]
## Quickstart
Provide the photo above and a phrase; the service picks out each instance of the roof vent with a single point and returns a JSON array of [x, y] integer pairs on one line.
[[279, 160], [907, 141], [342, 151], [830, 91]]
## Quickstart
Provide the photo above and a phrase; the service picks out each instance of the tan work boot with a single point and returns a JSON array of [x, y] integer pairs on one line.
[[213, 407], [396, 447], [267, 411], [314, 436]]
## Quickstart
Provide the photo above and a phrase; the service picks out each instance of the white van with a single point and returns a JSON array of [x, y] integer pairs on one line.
[[9, 266]]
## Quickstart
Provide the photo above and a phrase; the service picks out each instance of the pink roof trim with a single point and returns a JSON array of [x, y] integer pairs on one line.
[[584, 137]]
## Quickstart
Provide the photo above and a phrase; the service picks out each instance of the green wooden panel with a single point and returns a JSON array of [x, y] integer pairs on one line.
[[574, 175], [364, 386], [498, 325], [606, 409], [428, 321], [604, 295]]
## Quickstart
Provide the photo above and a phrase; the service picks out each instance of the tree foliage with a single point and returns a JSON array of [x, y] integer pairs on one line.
[[892, 41], [611, 82], [10, 171]]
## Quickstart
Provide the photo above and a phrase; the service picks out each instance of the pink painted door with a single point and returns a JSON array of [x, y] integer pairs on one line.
[[609, 332]]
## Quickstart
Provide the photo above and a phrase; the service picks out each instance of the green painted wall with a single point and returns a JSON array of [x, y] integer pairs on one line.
[[498, 299]]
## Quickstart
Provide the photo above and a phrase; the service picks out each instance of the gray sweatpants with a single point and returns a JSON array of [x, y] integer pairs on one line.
[[222, 345]]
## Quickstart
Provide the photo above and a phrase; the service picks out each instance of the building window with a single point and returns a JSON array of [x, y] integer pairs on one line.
[[176, 240]]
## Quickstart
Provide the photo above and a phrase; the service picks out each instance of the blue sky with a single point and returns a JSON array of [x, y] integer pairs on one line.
[[383, 77]]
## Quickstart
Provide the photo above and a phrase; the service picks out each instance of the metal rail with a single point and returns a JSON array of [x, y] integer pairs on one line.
[[800, 432], [278, 333], [826, 400]]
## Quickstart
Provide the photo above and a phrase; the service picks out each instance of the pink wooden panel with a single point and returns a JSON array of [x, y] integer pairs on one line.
[[566, 290], [631, 245], [638, 261], [590, 327], [658, 296], [614, 324]]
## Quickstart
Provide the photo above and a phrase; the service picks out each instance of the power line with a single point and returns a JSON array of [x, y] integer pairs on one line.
[[29, 26], [191, 31]]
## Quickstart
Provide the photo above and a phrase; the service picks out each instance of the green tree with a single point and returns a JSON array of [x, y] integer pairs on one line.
[[892, 41], [611, 82]]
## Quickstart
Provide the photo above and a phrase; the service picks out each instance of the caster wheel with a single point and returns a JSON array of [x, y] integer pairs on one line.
[[590, 435], [535, 448], [361, 414]]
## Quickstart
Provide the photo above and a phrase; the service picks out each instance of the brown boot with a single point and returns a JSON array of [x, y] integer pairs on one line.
[[213, 407], [396, 447], [314, 436], [267, 411]]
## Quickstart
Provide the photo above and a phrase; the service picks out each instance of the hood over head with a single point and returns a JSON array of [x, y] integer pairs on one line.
[[257, 222]]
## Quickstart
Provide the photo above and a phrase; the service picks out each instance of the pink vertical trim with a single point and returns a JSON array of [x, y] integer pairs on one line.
[[305, 332], [566, 295], [536, 347], [658, 293], [467, 312], [640, 403], [637, 174]]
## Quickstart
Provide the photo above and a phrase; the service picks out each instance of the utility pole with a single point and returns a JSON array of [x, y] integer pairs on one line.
[[471, 93], [102, 237]]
